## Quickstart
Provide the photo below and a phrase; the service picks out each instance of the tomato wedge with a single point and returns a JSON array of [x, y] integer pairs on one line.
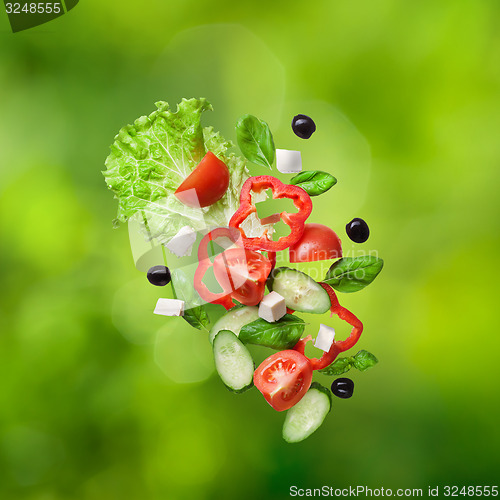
[[209, 180], [243, 271], [283, 378]]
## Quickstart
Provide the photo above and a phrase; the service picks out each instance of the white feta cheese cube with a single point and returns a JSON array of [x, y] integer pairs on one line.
[[169, 307], [182, 243], [325, 337], [288, 161], [272, 307]]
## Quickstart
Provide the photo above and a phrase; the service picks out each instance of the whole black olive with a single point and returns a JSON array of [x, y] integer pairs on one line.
[[357, 230], [303, 126], [159, 275], [343, 387]]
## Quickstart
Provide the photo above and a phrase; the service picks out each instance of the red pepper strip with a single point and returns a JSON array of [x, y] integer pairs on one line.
[[296, 221], [222, 298], [272, 258], [338, 346], [291, 311]]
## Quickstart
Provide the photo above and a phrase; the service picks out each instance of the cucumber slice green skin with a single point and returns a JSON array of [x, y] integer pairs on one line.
[[308, 414], [233, 362], [234, 320], [300, 291]]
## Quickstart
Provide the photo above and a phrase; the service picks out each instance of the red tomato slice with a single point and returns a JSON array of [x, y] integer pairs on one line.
[[243, 271], [318, 242], [283, 378], [209, 180]]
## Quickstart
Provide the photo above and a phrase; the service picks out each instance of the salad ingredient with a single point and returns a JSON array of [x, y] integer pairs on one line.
[[255, 140], [362, 361], [272, 307], [343, 388], [159, 275], [351, 274], [152, 157], [233, 361], [244, 272], [296, 221], [169, 307], [318, 242], [325, 338], [209, 180], [303, 126], [357, 230], [283, 378], [182, 243], [301, 292], [234, 320], [314, 182], [194, 312], [308, 414], [339, 345], [283, 334], [288, 162], [204, 263]]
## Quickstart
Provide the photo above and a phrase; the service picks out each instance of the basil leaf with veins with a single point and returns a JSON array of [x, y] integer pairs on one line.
[[351, 274], [314, 182], [255, 140]]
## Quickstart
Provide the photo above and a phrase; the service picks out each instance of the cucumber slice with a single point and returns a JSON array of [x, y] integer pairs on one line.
[[233, 361], [308, 414], [234, 320], [300, 291]]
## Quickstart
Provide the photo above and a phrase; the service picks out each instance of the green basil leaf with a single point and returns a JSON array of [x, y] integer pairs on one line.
[[364, 360], [314, 182], [282, 334], [194, 312], [197, 317], [338, 367], [255, 140], [351, 274]]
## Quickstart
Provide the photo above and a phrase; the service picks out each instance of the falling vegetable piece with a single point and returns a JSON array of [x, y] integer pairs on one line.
[[159, 275], [338, 346], [343, 388], [303, 126], [296, 221], [357, 230], [362, 361], [318, 242], [255, 140], [314, 182], [283, 378], [206, 184], [351, 274]]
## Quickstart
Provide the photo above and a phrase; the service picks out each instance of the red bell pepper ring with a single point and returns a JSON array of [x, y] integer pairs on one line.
[[338, 346], [204, 263], [296, 221]]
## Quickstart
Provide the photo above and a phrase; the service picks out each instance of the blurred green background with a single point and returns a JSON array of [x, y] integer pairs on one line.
[[98, 398]]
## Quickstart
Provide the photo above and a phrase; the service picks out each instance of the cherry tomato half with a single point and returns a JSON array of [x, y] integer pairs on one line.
[[243, 271], [209, 179], [318, 242], [283, 378]]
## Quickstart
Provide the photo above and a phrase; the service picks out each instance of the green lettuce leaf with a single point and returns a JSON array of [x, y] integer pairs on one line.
[[152, 157]]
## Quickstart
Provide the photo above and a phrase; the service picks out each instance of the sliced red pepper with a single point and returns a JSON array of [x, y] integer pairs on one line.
[[338, 346], [296, 221], [222, 298]]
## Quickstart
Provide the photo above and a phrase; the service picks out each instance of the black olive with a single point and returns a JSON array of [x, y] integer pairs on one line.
[[357, 230], [343, 387], [303, 126], [159, 275]]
